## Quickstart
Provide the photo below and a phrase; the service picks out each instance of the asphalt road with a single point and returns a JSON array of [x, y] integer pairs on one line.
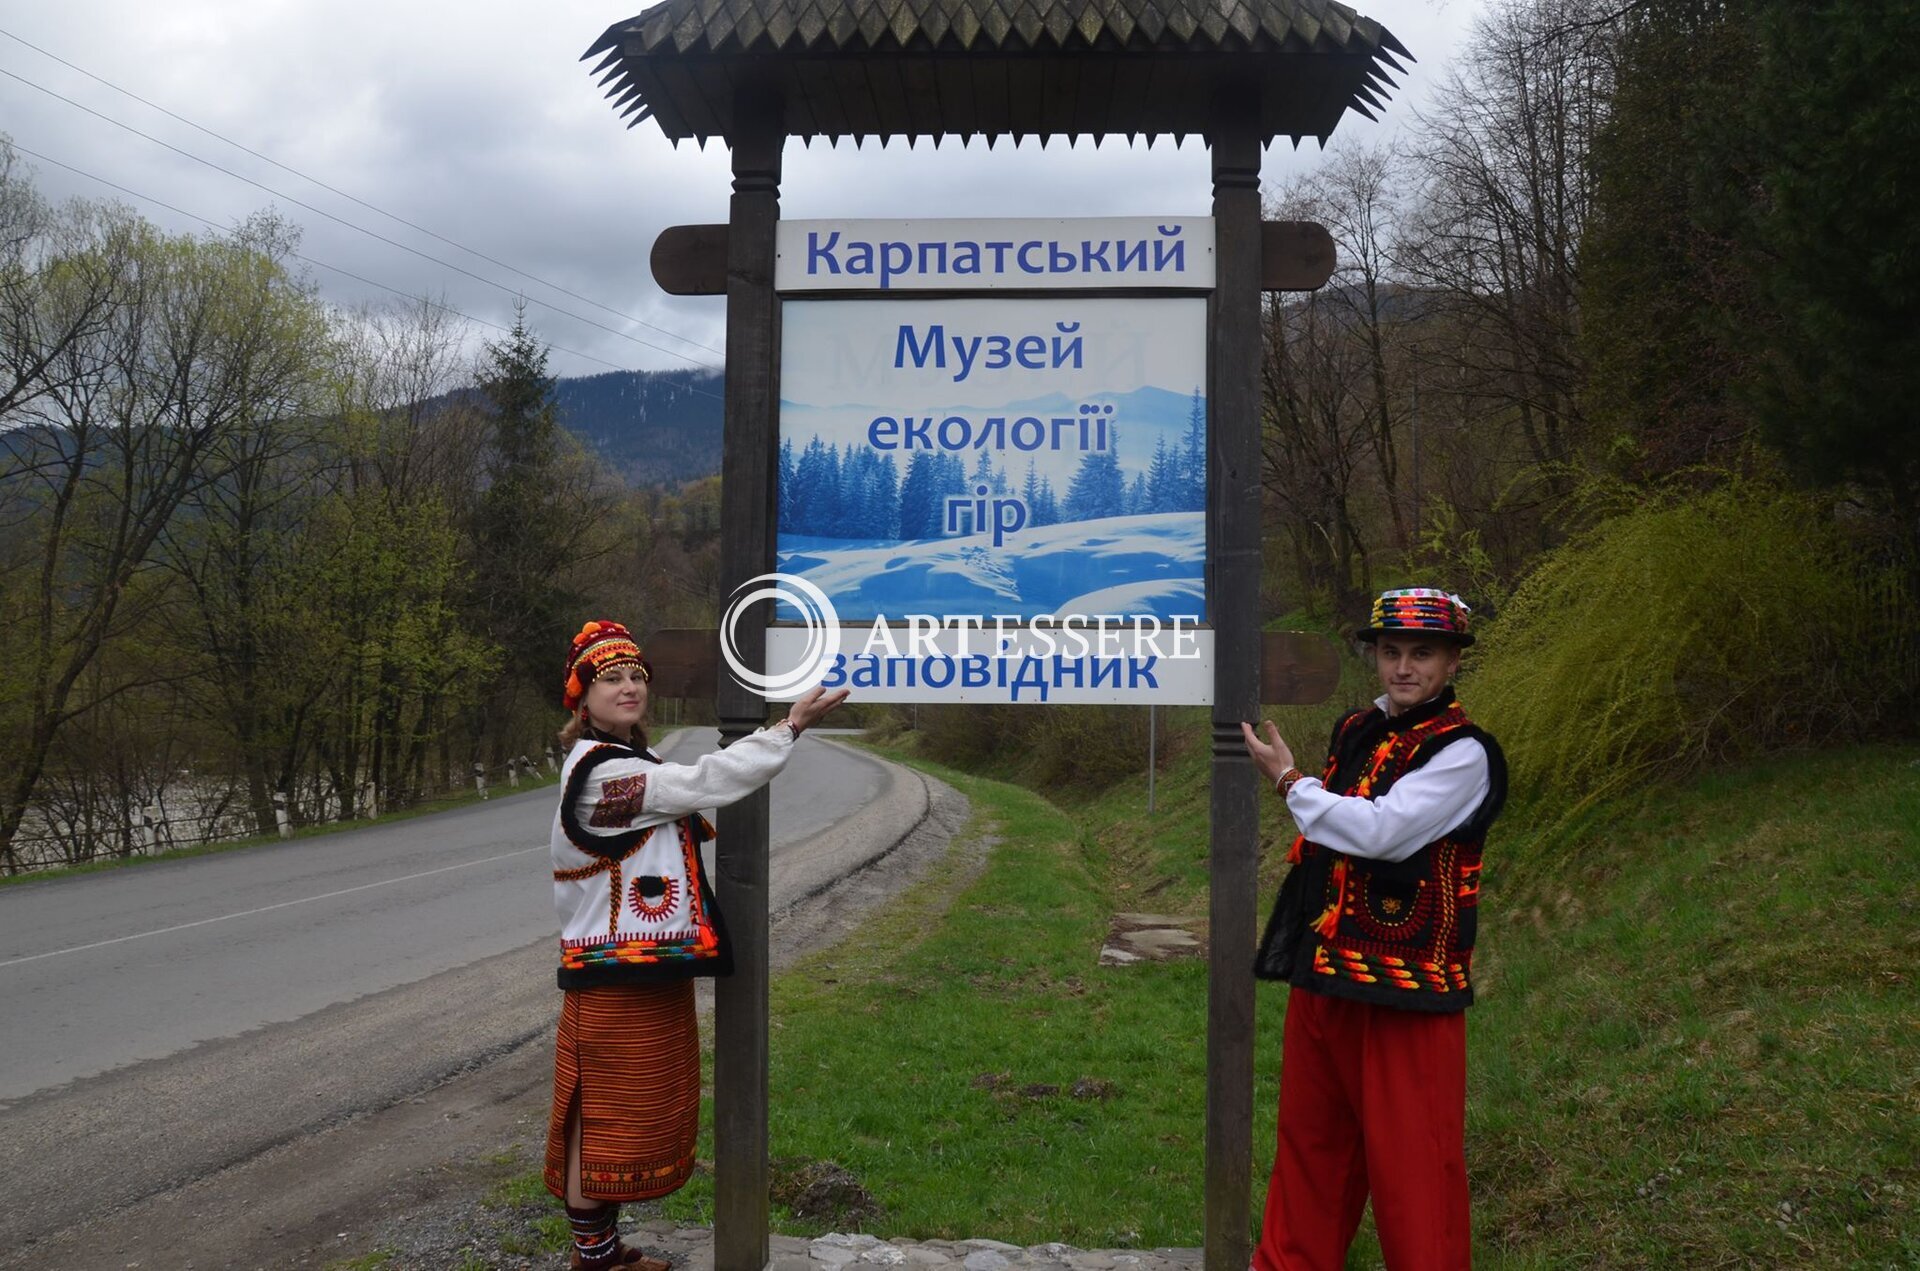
[[266, 1039], [103, 971], [382, 1121]]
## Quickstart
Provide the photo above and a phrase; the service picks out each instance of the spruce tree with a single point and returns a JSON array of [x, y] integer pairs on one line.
[[812, 493], [920, 498], [984, 475], [1836, 245], [1165, 492], [784, 492], [1099, 488], [884, 506], [518, 520], [1193, 456]]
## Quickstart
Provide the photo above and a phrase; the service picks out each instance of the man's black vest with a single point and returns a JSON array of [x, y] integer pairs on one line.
[[1396, 933]]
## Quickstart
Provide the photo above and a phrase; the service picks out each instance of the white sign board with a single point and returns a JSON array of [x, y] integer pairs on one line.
[[961, 255], [1076, 662], [963, 463]]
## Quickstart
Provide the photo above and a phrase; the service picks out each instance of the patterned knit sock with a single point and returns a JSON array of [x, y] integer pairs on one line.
[[596, 1235]]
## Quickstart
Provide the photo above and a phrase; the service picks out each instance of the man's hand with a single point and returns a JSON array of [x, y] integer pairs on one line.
[[1271, 756], [816, 705]]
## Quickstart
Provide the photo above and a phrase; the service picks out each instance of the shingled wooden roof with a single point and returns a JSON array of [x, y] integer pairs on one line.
[[993, 68]]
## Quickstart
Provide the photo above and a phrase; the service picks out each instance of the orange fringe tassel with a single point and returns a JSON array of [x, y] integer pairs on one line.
[[1329, 920]]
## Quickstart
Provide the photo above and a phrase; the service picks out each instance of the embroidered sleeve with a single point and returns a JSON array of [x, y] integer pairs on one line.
[[720, 778], [620, 800]]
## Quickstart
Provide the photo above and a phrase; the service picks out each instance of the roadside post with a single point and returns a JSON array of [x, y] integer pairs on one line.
[[1113, 317]]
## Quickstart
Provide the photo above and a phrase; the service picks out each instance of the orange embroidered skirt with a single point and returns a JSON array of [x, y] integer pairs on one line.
[[629, 1056]]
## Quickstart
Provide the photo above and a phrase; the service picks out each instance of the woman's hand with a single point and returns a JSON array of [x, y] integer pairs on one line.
[[816, 705], [1271, 756]]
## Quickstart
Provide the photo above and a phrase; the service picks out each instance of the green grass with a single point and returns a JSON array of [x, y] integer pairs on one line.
[[1703, 1012], [549, 1232], [1697, 1009], [937, 1058]]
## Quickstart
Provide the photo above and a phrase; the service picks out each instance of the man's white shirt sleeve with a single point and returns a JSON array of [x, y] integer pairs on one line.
[[1415, 811]]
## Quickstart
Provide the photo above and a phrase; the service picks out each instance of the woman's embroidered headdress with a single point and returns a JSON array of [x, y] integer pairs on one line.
[[599, 647]]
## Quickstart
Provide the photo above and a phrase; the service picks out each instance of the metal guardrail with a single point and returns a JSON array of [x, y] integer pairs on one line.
[[140, 830]]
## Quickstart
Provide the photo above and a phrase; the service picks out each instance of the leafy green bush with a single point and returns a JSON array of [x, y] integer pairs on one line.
[[1047, 746], [1090, 746], [1691, 630], [965, 736]]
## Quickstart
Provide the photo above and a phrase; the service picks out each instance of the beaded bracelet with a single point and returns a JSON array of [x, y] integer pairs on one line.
[[1286, 782]]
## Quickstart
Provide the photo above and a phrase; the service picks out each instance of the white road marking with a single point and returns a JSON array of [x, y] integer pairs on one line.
[[284, 904]]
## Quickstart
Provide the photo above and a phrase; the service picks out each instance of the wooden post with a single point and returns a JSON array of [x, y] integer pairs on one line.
[[1233, 592], [750, 439]]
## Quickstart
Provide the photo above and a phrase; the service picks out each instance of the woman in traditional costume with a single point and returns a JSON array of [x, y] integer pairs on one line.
[[638, 922]]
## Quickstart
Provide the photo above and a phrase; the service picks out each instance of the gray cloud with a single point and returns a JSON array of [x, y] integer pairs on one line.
[[479, 122]]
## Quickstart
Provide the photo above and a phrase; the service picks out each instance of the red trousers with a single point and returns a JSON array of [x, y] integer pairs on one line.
[[1372, 1100]]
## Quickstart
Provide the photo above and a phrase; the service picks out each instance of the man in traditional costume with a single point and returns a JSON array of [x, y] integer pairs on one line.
[[637, 922], [1374, 931]]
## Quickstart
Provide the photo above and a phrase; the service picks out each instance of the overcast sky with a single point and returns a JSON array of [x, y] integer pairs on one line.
[[478, 122]]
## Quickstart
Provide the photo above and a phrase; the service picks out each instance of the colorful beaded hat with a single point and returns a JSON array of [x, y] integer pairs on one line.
[[1422, 609], [599, 646]]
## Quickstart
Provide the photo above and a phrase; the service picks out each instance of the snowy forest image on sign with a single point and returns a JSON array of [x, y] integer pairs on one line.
[[996, 457]]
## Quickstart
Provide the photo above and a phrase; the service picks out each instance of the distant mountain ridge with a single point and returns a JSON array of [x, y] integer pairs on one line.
[[652, 427]]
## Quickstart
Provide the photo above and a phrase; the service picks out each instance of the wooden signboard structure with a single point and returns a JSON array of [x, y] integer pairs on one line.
[[1239, 74]]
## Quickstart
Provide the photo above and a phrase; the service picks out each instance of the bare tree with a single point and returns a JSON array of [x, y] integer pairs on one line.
[[403, 390], [1315, 437], [228, 550], [129, 421], [1505, 189], [1355, 193], [413, 438], [60, 285]]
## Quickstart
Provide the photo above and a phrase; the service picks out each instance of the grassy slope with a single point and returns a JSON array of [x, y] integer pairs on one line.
[[1700, 1039], [937, 1057], [1695, 1011]]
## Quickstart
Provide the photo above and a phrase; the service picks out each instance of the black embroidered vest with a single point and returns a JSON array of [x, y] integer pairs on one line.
[[1395, 933]]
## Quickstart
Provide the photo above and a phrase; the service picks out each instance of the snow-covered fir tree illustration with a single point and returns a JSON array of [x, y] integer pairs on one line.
[[1117, 530]]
